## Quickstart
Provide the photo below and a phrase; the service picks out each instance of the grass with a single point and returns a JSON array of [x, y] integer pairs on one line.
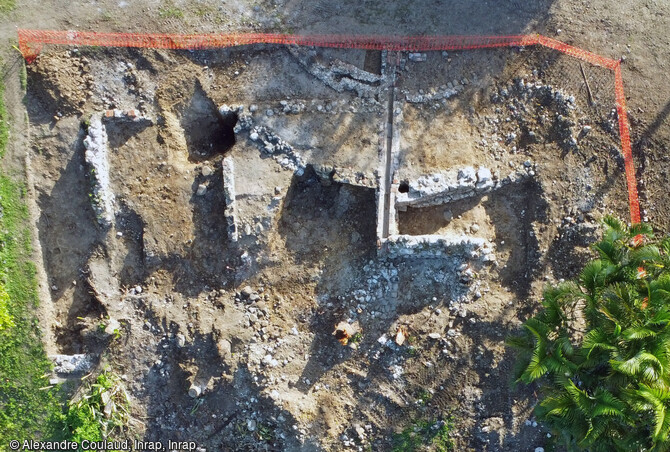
[[28, 406], [23, 76], [170, 11], [7, 5], [102, 412], [425, 435], [27, 409]]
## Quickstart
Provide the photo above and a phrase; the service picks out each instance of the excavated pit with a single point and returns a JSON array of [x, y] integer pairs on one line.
[[245, 189], [208, 133]]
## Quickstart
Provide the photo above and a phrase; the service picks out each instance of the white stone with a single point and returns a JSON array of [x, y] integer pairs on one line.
[[467, 175], [113, 325], [206, 170], [484, 178]]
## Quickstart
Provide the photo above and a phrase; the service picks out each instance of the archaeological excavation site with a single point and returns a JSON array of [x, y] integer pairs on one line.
[[295, 248]]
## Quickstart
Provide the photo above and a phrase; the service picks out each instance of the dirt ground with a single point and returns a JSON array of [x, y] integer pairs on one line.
[[250, 322]]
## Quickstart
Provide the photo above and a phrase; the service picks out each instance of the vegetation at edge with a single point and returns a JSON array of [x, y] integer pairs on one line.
[[27, 409], [425, 435], [102, 412], [599, 349], [7, 5]]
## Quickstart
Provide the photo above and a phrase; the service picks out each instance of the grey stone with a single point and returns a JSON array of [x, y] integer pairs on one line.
[[202, 189], [417, 56], [67, 364], [194, 391]]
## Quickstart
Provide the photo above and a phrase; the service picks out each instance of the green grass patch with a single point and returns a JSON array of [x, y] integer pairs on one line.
[[23, 75], [170, 11], [423, 434], [100, 414], [28, 407], [7, 5], [4, 121]]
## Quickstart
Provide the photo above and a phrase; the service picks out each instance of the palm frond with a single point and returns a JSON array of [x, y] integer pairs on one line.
[[640, 229], [645, 254], [637, 332], [608, 251]]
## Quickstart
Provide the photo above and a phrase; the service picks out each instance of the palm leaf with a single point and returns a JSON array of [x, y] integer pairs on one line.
[[637, 332], [644, 254], [592, 276], [608, 252], [640, 229]]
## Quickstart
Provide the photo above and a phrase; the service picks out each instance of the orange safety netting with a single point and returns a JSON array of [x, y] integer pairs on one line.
[[31, 42]]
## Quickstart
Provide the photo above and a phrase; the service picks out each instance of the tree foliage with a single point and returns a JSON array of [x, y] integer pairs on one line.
[[600, 347]]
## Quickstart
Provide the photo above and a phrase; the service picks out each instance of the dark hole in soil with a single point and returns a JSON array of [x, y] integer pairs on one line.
[[373, 62], [208, 133], [403, 187]]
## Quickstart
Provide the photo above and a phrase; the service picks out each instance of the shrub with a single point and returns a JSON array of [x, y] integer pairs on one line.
[[600, 347]]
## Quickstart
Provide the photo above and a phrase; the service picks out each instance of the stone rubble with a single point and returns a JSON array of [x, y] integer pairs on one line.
[[269, 143], [433, 95], [339, 75], [102, 196], [521, 93], [446, 187], [436, 246], [72, 364]]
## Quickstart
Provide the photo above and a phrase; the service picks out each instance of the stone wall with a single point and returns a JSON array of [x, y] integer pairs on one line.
[[437, 246], [228, 170], [96, 157]]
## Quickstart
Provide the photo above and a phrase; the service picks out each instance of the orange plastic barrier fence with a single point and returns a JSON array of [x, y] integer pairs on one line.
[[31, 42]]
